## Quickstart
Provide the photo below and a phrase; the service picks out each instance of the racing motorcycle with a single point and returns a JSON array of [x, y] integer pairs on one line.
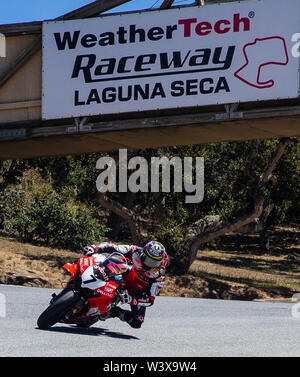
[[94, 288]]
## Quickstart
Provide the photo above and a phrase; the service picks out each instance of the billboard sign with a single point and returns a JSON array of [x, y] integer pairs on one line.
[[182, 57]]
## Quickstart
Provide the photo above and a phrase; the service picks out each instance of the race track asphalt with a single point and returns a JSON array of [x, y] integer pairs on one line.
[[174, 327]]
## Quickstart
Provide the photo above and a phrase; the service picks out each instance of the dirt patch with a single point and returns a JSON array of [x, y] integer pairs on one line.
[[237, 267], [190, 286], [29, 265], [232, 268]]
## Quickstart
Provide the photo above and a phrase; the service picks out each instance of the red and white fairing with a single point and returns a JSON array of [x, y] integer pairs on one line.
[[106, 288]]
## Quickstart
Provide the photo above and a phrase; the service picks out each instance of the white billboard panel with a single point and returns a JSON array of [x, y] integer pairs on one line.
[[182, 57]]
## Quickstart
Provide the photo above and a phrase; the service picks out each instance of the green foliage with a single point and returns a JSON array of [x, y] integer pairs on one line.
[[14, 215], [46, 217], [63, 211], [231, 169], [287, 192], [11, 172], [171, 235]]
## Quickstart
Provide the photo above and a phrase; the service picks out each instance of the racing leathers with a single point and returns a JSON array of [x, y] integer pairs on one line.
[[142, 285]]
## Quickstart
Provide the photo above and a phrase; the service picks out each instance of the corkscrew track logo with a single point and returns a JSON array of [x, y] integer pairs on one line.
[[244, 73]]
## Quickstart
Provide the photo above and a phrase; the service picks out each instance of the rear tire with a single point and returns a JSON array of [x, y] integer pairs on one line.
[[61, 305]]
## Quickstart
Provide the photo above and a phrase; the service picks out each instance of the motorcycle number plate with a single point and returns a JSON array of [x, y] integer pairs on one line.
[[90, 281]]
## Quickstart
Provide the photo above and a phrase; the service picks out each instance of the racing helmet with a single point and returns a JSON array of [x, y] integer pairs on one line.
[[153, 255]]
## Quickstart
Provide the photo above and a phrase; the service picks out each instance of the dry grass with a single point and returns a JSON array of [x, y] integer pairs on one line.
[[232, 268], [259, 271], [38, 265], [238, 261]]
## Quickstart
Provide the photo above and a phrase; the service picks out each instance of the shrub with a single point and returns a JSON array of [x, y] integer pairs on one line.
[[48, 218], [171, 235]]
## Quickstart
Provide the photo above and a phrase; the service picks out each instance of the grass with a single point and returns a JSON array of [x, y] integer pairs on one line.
[[256, 271], [233, 267], [41, 266], [238, 260]]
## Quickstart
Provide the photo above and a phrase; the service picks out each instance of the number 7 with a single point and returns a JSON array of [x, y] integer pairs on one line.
[[90, 280]]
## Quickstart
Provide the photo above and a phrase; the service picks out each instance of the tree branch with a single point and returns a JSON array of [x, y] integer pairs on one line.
[[127, 215], [166, 4], [266, 175], [211, 227]]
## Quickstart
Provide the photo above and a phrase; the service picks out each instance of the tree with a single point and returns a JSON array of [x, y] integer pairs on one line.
[[210, 227]]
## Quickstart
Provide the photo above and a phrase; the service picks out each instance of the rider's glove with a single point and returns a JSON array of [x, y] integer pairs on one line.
[[126, 298], [144, 299]]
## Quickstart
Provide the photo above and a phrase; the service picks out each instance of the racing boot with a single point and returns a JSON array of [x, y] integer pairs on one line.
[[116, 311]]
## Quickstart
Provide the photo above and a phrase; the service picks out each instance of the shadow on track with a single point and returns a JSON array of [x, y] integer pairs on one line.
[[93, 331]]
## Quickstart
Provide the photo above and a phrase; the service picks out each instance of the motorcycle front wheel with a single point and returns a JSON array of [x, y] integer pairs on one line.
[[61, 305]]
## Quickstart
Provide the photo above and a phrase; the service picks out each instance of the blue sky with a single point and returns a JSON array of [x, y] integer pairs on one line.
[[36, 10]]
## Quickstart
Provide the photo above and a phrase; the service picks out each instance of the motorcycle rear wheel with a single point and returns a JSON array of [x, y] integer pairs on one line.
[[57, 310]]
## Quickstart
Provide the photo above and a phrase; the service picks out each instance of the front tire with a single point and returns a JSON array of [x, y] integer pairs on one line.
[[61, 305]]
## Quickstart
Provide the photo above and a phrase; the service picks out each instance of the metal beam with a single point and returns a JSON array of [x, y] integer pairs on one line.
[[35, 27], [63, 127], [92, 9], [20, 105], [108, 136], [22, 28], [166, 4], [89, 10]]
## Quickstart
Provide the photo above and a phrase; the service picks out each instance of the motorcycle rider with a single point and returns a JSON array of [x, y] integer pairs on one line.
[[143, 282]]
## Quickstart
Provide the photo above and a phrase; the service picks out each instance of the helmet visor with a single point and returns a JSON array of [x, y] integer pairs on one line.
[[151, 263]]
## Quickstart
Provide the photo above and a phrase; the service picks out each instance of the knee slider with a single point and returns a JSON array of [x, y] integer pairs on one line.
[[136, 324], [133, 321]]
